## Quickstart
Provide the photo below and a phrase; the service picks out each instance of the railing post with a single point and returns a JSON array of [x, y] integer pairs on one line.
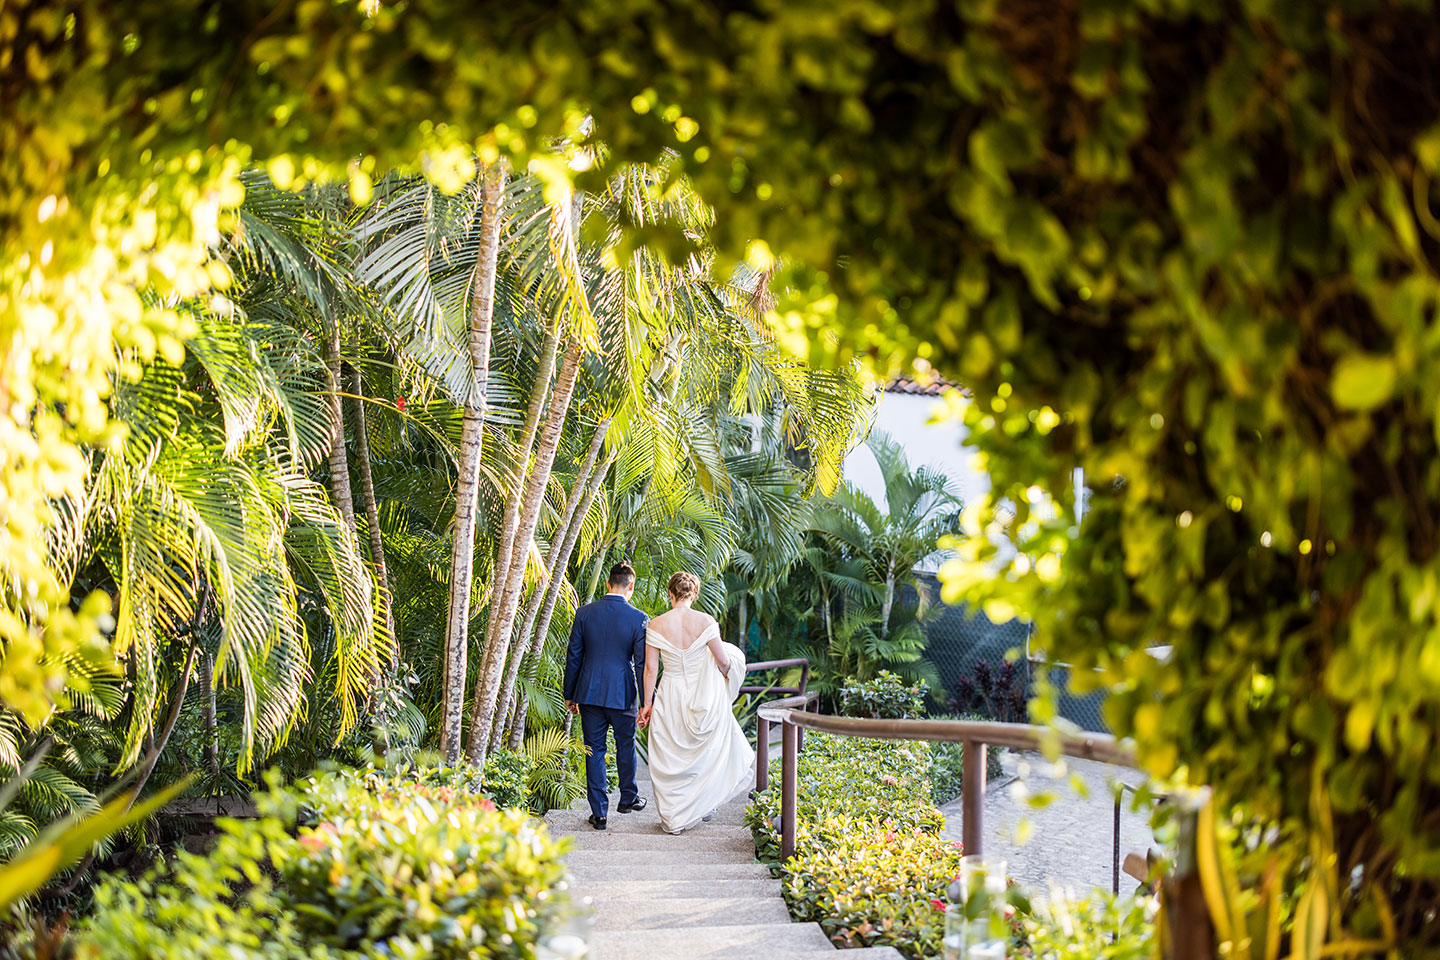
[[972, 796], [789, 786], [1115, 849], [762, 754]]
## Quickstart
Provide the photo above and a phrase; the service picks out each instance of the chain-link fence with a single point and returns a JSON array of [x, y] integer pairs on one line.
[[970, 651]]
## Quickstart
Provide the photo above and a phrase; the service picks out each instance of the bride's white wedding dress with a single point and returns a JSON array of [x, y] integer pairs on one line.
[[699, 757]]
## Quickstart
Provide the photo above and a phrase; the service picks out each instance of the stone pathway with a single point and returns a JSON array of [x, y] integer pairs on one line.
[[700, 896], [1070, 842]]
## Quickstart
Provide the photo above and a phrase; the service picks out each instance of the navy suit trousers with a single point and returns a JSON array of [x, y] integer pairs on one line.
[[594, 721]]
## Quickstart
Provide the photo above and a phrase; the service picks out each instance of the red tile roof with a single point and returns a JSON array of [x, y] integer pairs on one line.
[[934, 388]]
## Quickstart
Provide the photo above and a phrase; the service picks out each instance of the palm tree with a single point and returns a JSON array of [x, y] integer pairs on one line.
[[432, 260], [920, 506]]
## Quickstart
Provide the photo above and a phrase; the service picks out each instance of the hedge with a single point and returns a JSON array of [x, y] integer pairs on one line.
[[346, 866]]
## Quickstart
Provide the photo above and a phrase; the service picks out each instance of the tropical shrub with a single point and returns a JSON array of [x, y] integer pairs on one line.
[[222, 904], [870, 885], [886, 697], [419, 870], [947, 768], [995, 693], [845, 781], [383, 866], [1102, 927], [870, 864]]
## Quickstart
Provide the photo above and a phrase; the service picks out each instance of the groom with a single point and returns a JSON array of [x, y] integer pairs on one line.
[[607, 651]]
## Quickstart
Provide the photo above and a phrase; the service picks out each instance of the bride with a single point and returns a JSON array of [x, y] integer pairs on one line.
[[699, 757]]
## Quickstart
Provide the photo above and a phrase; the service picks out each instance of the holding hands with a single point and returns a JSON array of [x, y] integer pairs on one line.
[[642, 719]]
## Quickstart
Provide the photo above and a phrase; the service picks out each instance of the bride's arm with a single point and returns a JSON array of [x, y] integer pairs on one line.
[[717, 650], [652, 669]]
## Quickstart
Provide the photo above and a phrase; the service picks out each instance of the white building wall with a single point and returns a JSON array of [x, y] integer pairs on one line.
[[940, 446], [906, 418]]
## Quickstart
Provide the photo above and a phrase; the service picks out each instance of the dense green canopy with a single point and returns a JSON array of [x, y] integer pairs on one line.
[[1188, 245]]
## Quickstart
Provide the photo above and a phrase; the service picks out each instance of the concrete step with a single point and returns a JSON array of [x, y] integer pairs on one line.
[[571, 822], [735, 941], [655, 840], [650, 914], [596, 874], [636, 888], [696, 859]]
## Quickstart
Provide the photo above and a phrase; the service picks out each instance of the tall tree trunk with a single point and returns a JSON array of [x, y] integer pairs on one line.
[[339, 467], [511, 522], [511, 518], [212, 732], [889, 601], [520, 642], [372, 509], [462, 553], [487, 686], [542, 606], [744, 625]]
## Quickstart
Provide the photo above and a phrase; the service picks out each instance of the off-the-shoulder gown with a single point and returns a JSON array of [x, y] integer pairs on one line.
[[699, 757]]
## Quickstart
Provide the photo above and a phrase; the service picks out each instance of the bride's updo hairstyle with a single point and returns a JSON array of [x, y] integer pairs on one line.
[[684, 586]]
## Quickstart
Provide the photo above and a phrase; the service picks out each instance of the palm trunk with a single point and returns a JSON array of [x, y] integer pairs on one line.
[[559, 562], [556, 559], [487, 687], [522, 464], [212, 733], [506, 546], [462, 553], [372, 511], [339, 467], [743, 624], [889, 601]]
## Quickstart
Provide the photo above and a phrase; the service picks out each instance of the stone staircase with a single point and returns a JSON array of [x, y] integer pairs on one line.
[[698, 896]]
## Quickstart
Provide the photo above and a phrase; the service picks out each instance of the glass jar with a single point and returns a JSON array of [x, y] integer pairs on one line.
[[572, 936], [975, 916]]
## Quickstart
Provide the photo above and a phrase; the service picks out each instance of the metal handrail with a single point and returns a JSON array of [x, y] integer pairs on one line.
[[1016, 736], [975, 736], [1181, 891], [790, 664]]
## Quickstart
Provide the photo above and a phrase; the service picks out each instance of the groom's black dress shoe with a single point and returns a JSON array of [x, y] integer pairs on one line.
[[597, 822], [639, 804]]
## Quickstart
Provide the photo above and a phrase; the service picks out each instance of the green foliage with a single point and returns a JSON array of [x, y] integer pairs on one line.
[[947, 767], [506, 780], [1185, 244], [844, 780], [382, 867], [871, 885], [870, 865], [419, 870], [193, 906], [1104, 927], [886, 697]]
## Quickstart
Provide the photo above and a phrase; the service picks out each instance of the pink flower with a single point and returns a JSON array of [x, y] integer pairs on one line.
[[889, 780], [312, 842], [400, 402], [938, 905], [487, 804]]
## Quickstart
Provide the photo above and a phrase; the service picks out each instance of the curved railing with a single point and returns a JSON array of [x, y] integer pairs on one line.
[[1191, 932], [974, 735]]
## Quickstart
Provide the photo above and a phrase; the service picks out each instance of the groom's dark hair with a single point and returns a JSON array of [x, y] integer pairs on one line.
[[621, 575]]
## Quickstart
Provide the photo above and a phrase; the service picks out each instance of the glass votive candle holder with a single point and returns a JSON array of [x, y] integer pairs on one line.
[[572, 936]]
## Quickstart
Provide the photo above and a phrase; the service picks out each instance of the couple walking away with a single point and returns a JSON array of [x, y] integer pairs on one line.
[[699, 757]]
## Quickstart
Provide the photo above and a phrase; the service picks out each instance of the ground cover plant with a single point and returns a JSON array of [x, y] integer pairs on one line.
[[345, 865]]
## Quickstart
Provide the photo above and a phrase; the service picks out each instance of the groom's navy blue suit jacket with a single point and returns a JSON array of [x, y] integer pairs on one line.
[[606, 655]]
